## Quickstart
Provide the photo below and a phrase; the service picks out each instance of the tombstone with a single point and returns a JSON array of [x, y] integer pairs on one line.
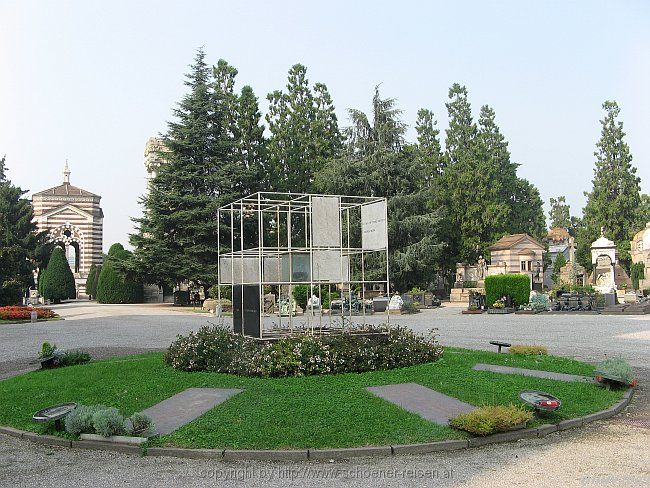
[[313, 303], [395, 303], [604, 257]]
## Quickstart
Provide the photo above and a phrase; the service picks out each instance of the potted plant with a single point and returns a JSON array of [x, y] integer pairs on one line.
[[614, 372]]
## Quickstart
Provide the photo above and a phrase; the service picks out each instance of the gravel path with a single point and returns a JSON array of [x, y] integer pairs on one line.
[[609, 453]]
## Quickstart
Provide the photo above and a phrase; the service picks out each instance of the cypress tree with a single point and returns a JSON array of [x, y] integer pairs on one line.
[[114, 285], [559, 215], [91, 281], [614, 202], [304, 132], [58, 282]]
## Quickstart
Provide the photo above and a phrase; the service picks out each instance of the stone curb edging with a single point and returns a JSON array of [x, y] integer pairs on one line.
[[324, 454]]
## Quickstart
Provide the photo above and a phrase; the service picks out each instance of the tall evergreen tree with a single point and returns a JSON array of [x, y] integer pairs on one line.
[[431, 163], [250, 144], [614, 202], [459, 175], [21, 247], [559, 215], [177, 234], [304, 132], [376, 163], [58, 282], [527, 213]]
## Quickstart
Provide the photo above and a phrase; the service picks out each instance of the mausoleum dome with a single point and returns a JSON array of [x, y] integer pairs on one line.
[[603, 243]]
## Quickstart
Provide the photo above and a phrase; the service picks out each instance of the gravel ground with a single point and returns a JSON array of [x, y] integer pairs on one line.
[[609, 453]]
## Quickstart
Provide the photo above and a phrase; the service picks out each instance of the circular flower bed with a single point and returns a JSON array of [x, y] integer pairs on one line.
[[217, 349], [24, 313]]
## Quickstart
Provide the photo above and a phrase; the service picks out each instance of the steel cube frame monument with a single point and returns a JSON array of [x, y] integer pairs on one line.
[[288, 239]]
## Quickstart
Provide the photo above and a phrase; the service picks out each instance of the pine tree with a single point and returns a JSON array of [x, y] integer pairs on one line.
[[177, 235], [21, 247], [614, 202], [431, 163], [559, 215], [58, 282], [251, 144], [377, 163], [459, 175], [304, 133]]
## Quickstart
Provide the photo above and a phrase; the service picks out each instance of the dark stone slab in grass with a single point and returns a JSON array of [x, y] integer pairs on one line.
[[549, 375], [427, 403], [185, 406]]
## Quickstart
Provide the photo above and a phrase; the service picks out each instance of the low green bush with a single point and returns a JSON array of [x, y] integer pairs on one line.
[[108, 422], [217, 349], [80, 420], [516, 286], [528, 350], [140, 425], [410, 307], [617, 368], [62, 358], [490, 419]]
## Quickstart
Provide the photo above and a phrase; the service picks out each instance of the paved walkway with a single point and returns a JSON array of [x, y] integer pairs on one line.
[[425, 402], [182, 408], [535, 373]]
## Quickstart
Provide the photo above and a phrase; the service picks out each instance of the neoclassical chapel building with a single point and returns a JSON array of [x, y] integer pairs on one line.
[[74, 220]]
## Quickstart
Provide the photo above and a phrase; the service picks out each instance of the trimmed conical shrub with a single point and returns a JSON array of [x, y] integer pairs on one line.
[[91, 281], [112, 285], [58, 282]]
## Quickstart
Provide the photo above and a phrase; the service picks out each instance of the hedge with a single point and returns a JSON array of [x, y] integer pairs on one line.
[[113, 286], [516, 286], [91, 281], [58, 282]]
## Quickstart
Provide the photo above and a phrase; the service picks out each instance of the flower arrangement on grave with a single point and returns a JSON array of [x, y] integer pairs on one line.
[[498, 304]]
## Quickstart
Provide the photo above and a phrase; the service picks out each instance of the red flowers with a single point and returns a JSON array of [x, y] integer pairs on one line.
[[24, 313], [549, 404]]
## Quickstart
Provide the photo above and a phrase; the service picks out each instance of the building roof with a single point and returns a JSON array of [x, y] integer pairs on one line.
[[65, 189], [558, 234], [603, 243], [509, 241]]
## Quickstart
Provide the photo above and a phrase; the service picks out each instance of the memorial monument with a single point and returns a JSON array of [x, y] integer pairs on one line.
[[608, 276], [280, 240]]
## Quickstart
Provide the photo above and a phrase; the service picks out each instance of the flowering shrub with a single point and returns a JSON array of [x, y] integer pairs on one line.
[[217, 349], [490, 419], [530, 350], [24, 313]]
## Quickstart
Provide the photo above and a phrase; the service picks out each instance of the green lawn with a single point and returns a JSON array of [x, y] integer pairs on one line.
[[310, 412]]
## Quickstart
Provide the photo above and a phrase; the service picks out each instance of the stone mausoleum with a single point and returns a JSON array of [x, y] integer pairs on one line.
[[640, 251], [514, 253], [74, 219]]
